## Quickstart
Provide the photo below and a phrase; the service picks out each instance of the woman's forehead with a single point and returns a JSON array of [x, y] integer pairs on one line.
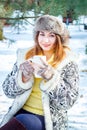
[[46, 31]]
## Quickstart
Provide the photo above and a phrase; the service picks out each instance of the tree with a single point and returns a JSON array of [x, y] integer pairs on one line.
[[67, 8], [54, 7], [3, 13]]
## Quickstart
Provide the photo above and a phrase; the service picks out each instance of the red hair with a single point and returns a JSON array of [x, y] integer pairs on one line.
[[59, 52]]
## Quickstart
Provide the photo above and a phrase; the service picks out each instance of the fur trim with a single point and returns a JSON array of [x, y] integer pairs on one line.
[[21, 55], [53, 24], [20, 59], [48, 121], [26, 85], [69, 58], [16, 106]]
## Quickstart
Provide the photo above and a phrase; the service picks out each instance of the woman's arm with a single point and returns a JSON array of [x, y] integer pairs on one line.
[[63, 87], [11, 86]]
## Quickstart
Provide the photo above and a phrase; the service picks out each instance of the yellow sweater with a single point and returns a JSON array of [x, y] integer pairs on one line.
[[34, 102]]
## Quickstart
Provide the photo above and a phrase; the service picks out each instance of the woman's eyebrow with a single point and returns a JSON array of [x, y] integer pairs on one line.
[[41, 32]]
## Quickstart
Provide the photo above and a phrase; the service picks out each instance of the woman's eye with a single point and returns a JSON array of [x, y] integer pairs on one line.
[[41, 34], [52, 35]]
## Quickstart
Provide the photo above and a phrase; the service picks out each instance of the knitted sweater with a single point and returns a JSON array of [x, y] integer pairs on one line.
[[58, 94]]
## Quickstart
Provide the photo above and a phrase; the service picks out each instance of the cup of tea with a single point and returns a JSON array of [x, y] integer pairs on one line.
[[37, 59]]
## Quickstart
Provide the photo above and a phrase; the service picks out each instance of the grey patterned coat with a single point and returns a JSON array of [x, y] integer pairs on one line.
[[58, 94]]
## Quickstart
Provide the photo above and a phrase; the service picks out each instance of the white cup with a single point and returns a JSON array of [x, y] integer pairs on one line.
[[37, 59]]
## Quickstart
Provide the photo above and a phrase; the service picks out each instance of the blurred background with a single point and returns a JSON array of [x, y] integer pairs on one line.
[[20, 13], [17, 19]]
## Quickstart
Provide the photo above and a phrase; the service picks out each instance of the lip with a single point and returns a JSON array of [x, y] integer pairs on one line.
[[46, 45]]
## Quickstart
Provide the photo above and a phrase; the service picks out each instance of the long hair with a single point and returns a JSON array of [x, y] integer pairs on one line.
[[59, 48]]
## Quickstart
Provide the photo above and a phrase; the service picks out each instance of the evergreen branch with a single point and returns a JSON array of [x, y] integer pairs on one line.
[[17, 18]]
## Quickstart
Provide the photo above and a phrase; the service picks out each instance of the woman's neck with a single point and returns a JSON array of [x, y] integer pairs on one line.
[[48, 54]]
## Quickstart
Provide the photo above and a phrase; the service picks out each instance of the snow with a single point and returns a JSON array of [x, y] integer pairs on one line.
[[78, 42]]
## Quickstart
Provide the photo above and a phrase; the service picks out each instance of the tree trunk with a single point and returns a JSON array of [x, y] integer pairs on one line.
[[1, 34]]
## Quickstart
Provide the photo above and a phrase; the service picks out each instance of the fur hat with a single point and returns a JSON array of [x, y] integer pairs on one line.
[[52, 24]]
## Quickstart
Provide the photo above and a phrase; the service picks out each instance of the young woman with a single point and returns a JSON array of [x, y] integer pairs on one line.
[[41, 103]]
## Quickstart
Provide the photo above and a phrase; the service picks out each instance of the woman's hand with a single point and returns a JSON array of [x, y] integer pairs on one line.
[[27, 70], [44, 70]]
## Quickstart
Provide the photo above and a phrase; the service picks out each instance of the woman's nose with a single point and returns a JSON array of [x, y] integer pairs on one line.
[[46, 39]]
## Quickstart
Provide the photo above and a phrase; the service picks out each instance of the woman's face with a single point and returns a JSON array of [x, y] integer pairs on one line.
[[46, 40]]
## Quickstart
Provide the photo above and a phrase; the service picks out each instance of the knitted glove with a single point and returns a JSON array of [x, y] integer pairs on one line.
[[46, 72], [27, 69]]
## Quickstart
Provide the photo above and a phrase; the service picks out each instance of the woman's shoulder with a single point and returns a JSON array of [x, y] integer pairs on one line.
[[70, 57], [21, 55], [23, 50], [70, 54]]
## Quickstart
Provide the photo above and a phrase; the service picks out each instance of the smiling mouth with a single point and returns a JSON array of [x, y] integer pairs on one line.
[[47, 45]]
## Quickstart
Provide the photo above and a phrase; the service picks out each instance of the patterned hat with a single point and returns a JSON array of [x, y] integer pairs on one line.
[[52, 24]]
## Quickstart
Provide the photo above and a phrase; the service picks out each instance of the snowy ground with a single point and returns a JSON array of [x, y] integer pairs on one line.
[[78, 41]]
